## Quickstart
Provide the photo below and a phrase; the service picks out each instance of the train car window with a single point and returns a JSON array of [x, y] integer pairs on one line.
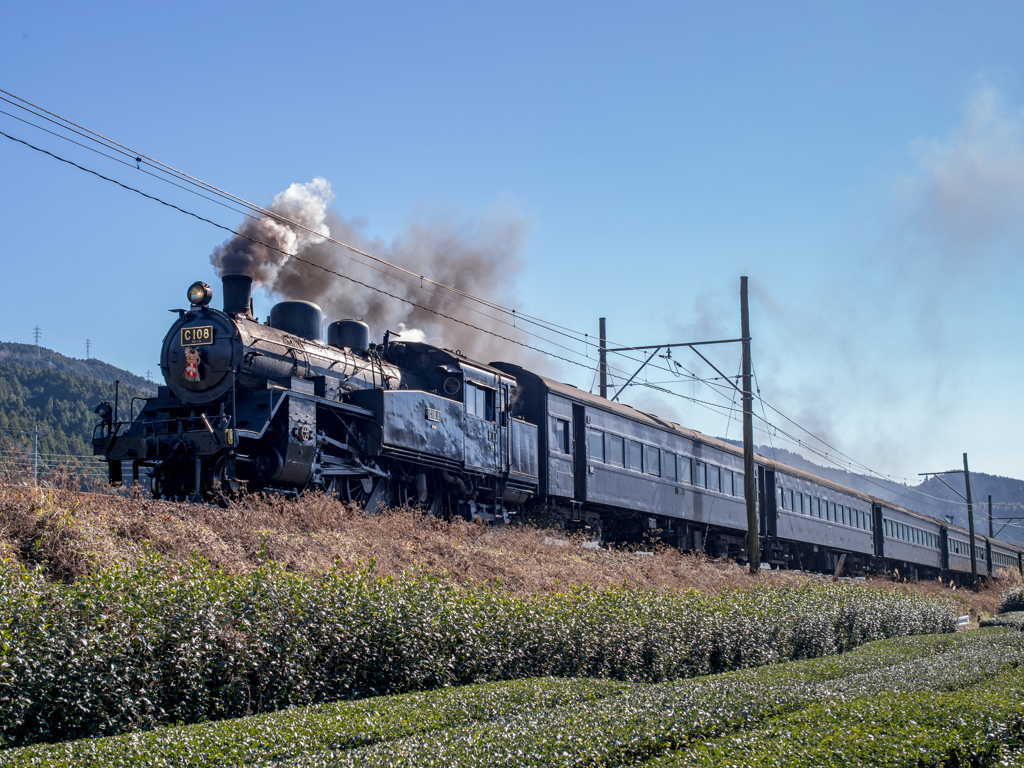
[[792, 500], [832, 511], [616, 451], [670, 467], [685, 469], [714, 478], [699, 474], [727, 480], [635, 456], [846, 515], [653, 462], [561, 441], [737, 484], [595, 445], [781, 501]]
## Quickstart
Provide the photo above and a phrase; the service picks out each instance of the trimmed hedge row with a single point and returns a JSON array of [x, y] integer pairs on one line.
[[547, 722], [292, 732], [127, 649], [977, 726], [1012, 600], [644, 723], [1014, 619]]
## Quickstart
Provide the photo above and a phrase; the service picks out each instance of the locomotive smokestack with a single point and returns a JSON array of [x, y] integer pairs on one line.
[[237, 294]]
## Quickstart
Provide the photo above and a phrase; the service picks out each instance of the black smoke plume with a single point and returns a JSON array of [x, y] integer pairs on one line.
[[481, 257]]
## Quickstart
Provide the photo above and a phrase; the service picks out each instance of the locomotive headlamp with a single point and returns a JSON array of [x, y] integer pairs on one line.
[[199, 294]]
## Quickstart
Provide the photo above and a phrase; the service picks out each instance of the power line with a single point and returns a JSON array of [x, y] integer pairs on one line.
[[420, 279], [139, 158]]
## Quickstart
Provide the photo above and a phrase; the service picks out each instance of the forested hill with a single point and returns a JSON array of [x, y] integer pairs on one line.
[[47, 359], [57, 394]]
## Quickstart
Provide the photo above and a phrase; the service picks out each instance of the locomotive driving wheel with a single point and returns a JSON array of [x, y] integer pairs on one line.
[[355, 490]]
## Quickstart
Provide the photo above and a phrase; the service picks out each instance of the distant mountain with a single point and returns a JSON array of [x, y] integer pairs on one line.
[[931, 497], [55, 395]]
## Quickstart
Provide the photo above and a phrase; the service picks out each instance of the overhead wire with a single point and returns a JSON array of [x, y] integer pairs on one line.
[[140, 158], [319, 266], [418, 279]]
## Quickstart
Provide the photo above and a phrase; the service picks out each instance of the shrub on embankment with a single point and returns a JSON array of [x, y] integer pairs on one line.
[[124, 649]]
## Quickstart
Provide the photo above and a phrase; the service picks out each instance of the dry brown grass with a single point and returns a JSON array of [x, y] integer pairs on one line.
[[69, 533]]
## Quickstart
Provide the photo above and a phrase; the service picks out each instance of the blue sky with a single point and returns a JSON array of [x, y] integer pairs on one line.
[[862, 163]]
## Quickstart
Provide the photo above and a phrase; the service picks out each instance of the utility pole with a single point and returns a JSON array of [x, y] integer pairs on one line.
[[88, 348], [749, 478], [749, 470], [970, 522], [35, 451], [990, 525], [37, 333]]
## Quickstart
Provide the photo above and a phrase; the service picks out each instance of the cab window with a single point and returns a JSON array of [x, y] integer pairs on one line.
[[479, 402]]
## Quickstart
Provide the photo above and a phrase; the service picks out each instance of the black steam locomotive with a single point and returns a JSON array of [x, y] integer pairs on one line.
[[272, 407]]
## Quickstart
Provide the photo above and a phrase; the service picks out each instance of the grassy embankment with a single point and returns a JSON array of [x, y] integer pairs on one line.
[[70, 534]]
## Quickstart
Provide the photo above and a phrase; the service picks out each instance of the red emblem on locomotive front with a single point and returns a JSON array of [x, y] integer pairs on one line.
[[191, 364]]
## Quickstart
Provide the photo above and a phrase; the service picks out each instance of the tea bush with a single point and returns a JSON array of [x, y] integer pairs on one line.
[[976, 726], [1014, 619], [550, 722], [292, 732], [124, 649], [1012, 600], [644, 723]]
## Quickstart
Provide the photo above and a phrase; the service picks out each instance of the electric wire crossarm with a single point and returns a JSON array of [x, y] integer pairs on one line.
[[937, 476], [657, 348]]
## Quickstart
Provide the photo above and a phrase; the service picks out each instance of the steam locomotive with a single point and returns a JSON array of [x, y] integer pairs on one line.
[[273, 408]]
